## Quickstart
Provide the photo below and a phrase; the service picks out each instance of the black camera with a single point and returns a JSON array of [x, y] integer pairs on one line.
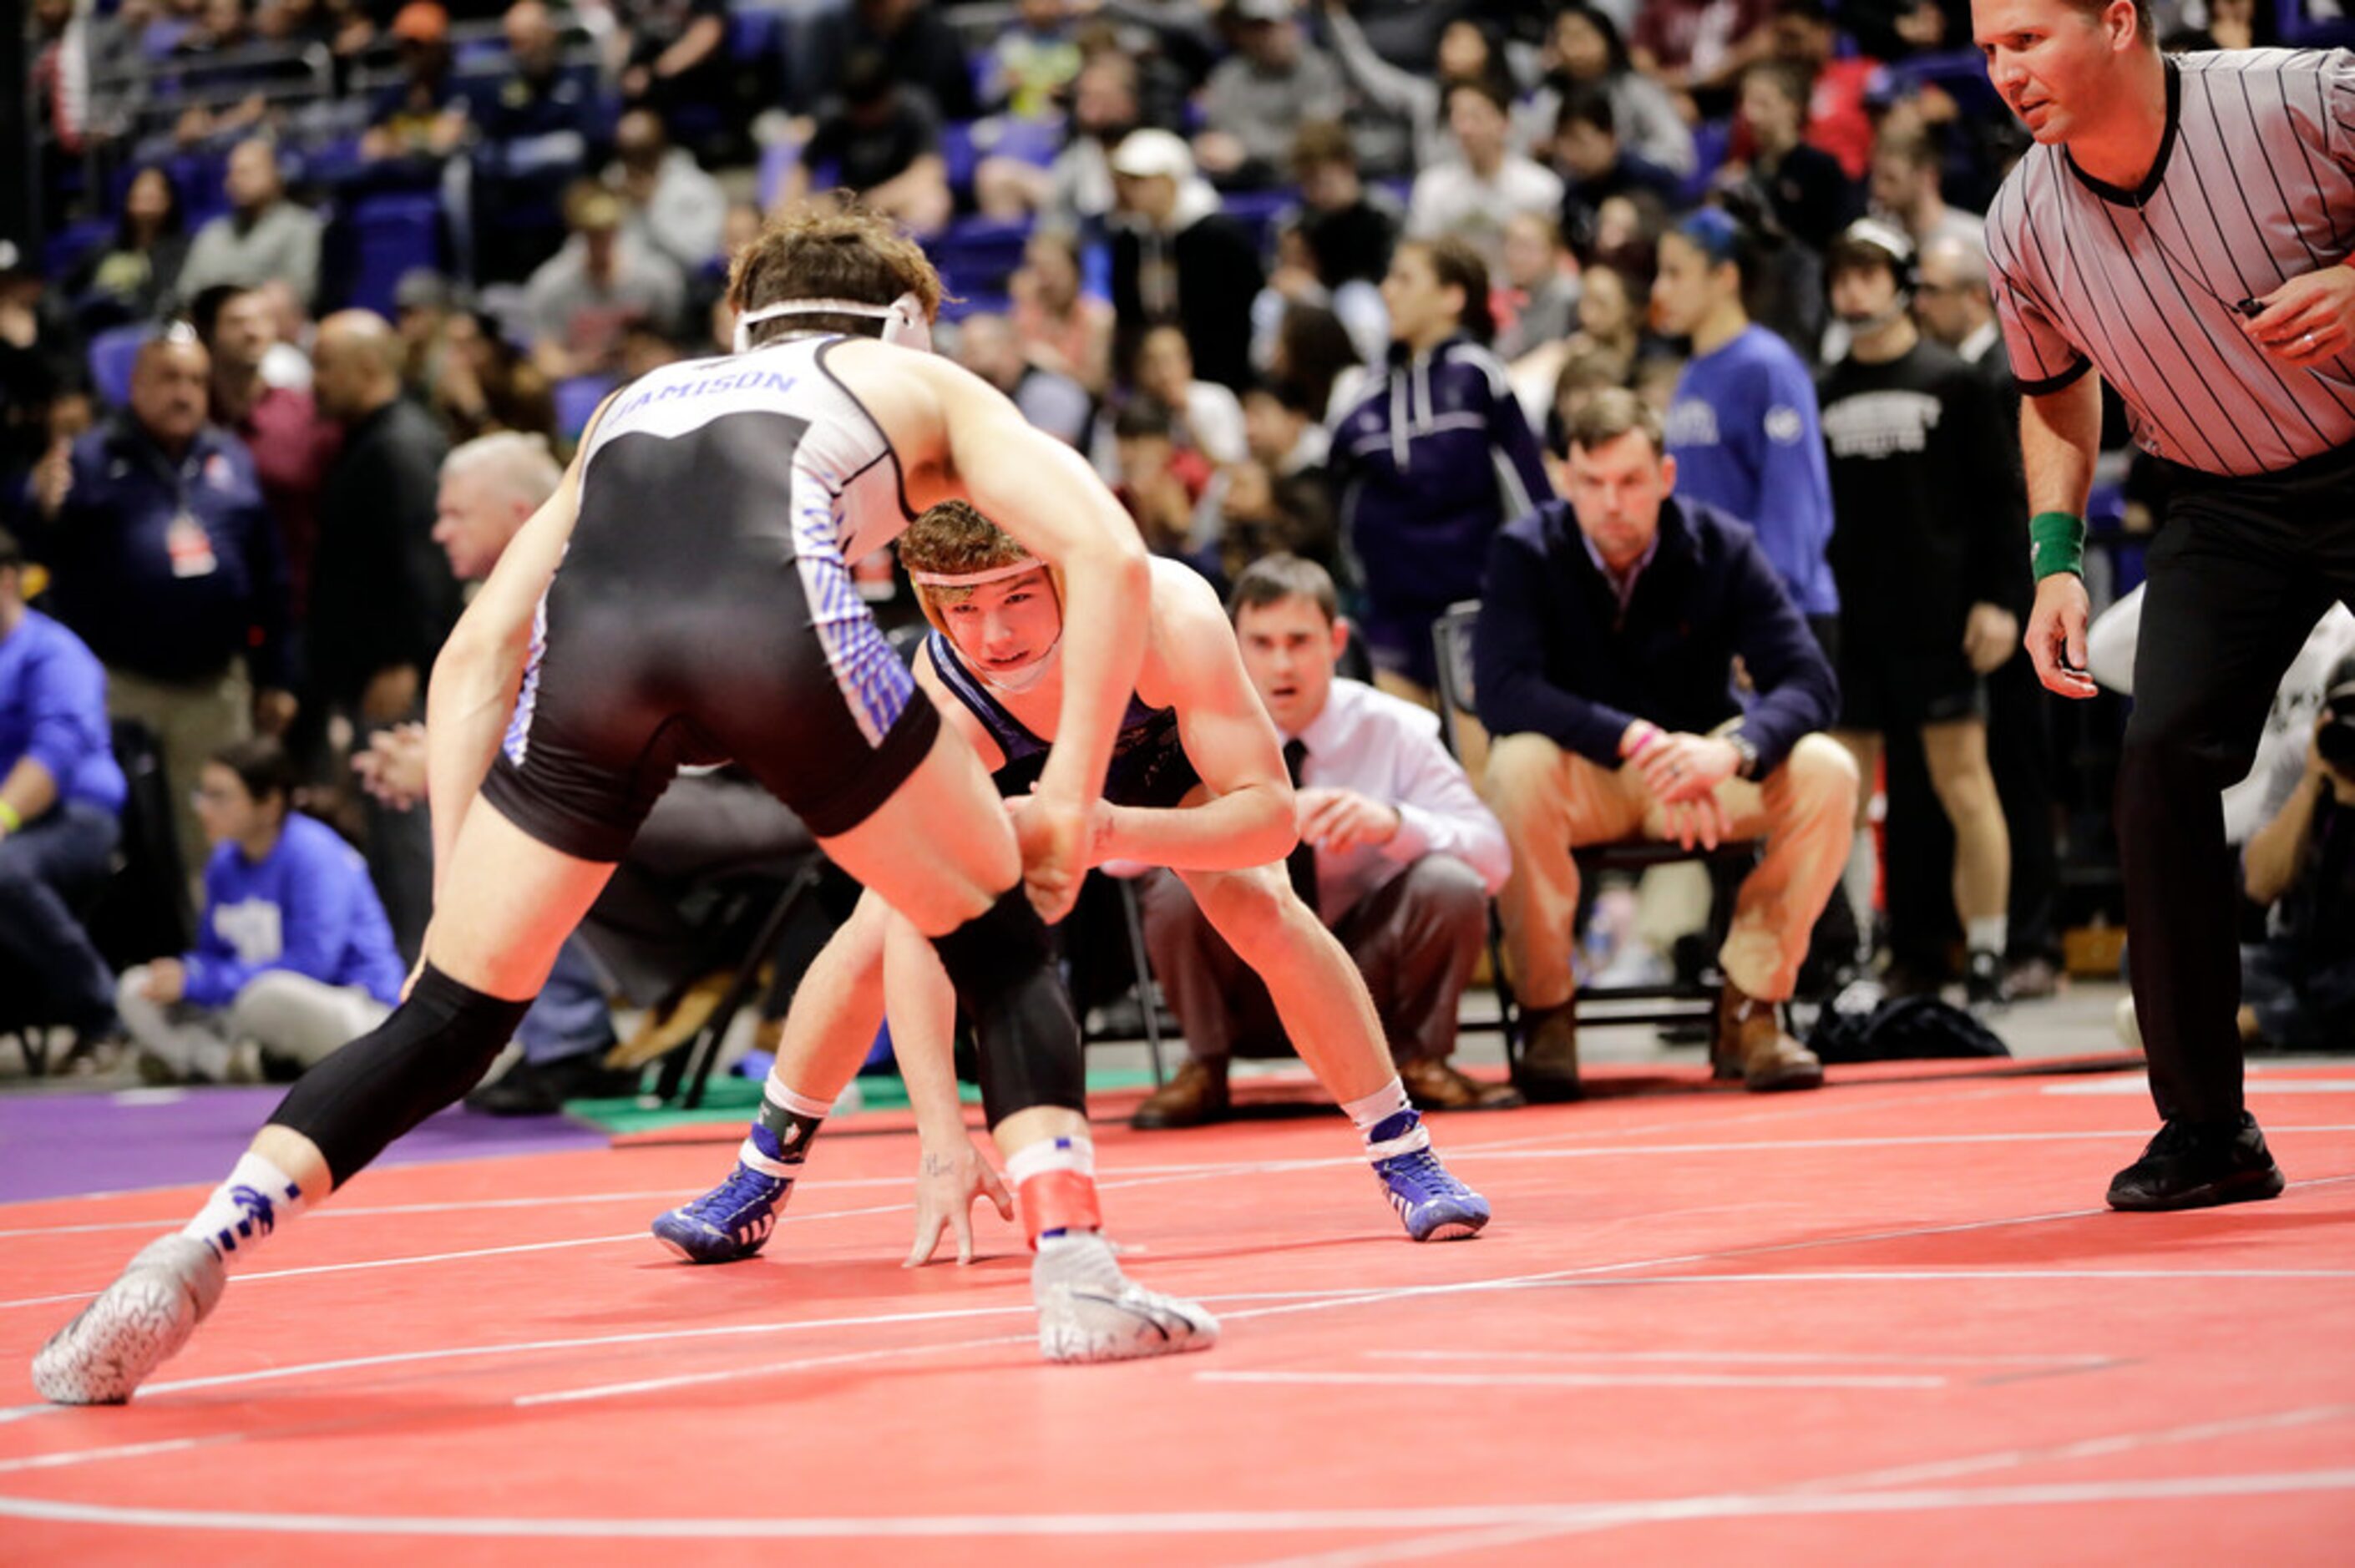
[[2336, 739]]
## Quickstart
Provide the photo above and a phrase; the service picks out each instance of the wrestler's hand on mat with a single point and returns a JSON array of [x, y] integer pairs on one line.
[[2056, 635], [1990, 636], [2308, 319], [948, 1182], [1058, 839]]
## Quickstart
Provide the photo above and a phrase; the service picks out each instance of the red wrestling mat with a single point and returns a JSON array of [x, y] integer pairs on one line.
[[1887, 1322]]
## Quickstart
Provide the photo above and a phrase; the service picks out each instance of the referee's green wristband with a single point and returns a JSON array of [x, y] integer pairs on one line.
[[2059, 538]]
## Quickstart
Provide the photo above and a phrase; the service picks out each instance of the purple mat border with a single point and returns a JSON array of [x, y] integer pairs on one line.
[[65, 1145]]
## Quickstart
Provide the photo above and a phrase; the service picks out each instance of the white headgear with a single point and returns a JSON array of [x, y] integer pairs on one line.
[[975, 579], [1030, 674], [904, 318]]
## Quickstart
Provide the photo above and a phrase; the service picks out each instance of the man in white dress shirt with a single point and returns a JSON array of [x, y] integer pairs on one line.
[[1396, 854]]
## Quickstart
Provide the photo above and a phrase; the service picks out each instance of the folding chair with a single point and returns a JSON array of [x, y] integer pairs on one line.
[[685, 1073]]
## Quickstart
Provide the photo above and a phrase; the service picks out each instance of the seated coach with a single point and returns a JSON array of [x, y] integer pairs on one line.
[[1605, 665]]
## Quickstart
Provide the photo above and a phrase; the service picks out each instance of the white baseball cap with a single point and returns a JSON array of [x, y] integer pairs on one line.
[[1143, 153]]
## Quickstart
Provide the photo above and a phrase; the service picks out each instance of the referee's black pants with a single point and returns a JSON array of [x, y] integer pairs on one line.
[[2239, 574]]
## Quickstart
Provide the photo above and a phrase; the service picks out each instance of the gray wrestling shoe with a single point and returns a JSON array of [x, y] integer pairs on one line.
[[136, 1324], [1089, 1311]]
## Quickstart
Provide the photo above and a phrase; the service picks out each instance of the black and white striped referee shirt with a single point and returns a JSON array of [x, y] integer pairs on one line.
[[2254, 185]]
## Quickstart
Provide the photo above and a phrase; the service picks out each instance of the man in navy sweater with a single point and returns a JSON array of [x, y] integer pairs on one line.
[[1603, 662], [59, 791]]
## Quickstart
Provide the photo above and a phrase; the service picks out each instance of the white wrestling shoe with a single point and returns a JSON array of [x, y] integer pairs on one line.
[[1089, 1311], [135, 1325]]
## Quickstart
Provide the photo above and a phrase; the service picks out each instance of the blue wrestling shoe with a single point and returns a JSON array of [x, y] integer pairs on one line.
[[1435, 1204], [728, 1224]]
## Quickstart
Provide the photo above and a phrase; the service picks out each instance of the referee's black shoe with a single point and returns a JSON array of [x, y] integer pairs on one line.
[[2197, 1165]]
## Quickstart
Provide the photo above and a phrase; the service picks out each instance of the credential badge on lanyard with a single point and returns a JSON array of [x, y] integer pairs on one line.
[[189, 547]]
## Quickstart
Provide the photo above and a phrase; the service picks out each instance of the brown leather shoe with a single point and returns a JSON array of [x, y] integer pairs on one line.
[[1749, 1036], [1547, 1068], [1195, 1096], [1433, 1083]]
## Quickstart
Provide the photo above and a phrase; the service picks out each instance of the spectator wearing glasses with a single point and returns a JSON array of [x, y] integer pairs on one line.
[[293, 953]]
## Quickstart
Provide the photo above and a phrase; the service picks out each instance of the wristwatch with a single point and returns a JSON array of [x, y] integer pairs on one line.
[[1748, 767]]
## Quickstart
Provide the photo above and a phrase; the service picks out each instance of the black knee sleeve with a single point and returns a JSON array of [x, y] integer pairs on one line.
[[435, 1047], [1024, 1033]]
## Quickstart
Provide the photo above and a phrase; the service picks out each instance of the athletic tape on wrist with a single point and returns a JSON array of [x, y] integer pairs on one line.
[[2059, 543]]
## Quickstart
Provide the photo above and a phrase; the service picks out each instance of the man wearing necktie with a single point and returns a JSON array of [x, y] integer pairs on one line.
[[1397, 855]]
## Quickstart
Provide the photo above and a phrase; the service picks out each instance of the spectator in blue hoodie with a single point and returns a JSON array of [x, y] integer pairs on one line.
[[293, 955], [1743, 426], [1435, 457], [59, 791]]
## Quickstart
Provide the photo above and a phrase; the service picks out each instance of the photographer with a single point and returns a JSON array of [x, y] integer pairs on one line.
[[2297, 986]]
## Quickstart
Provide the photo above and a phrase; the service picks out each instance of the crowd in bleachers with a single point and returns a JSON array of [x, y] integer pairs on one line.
[[1329, 278]]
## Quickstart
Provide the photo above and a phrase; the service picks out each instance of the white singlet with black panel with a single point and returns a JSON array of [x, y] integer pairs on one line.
[[704, 609]]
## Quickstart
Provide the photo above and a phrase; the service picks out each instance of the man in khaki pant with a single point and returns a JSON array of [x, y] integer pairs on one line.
[[1603, 661]]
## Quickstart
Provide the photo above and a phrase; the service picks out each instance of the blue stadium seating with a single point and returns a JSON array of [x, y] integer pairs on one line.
[[392, 233], [112, 354], [1711, 140], [976, 255], [2300, 32], [577, 398], [1258, 210], [957, 151], [67, 249]]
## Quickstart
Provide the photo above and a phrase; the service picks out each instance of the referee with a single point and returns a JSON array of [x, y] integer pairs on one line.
[[2178, 228]]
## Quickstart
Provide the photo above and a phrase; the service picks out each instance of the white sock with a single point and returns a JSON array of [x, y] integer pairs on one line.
[[244, 1210], [1378, 1106], [1987, 934], [1388, 1123], [792, 1099]]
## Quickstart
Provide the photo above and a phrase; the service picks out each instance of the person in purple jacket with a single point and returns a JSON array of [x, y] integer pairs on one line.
[[1743, 426], [1435, 458], [59, 791], [295, 956]]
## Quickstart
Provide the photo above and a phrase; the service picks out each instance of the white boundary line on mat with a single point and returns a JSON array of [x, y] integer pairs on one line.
[[1115, 1180], [1550, 1517], [1458, 1544]]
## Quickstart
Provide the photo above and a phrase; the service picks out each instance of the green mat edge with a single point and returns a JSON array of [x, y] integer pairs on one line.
[[734, 1099]]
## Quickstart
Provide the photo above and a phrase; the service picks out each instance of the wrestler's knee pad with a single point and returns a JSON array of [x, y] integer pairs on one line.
[[432, 1048], [1024, 1033]]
